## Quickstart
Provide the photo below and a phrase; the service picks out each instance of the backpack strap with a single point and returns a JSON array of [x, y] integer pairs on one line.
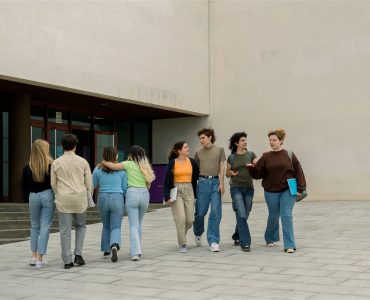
[[232, 159], [290, 154]]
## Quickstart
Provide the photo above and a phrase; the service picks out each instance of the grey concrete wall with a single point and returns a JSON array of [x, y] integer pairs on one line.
[[153, 53], [299, 65]]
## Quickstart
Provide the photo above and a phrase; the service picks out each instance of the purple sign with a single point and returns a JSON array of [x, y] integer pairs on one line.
[[156, 188]]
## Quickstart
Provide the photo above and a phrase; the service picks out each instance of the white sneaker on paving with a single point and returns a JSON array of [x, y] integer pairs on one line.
[[183, 249], [135, 258], [40, 264], [290, 250], [33, 261], [270, 244], [198, 240], [215, 247]]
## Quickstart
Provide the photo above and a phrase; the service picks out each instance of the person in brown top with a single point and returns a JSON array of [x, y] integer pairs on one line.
[[275, 168]]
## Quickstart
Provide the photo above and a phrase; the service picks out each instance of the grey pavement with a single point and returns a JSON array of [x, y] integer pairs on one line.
[[332, 261]]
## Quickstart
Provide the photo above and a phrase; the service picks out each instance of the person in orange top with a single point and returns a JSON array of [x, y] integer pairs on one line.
[[183, 173]]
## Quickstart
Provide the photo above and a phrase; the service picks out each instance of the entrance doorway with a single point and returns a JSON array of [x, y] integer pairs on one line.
[[85, 143], [102, 140]]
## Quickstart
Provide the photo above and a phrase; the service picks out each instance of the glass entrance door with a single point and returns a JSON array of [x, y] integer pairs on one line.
[[55, 136], [102, 140], [85, 144], [37, 132], [4, 156]]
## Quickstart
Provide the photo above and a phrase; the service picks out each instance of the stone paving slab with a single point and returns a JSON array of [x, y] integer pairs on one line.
[[332, 261]]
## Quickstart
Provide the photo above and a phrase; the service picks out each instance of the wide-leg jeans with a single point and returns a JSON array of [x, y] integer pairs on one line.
[[111, 207], [41, 207], [208, 194], [242, 198], [137, 202], [280, 205]]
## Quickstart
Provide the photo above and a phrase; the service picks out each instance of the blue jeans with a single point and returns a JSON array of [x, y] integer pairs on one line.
[[207, 193], [111, 206], [137, 202], [242, 204], [41, 206], [280, 204]]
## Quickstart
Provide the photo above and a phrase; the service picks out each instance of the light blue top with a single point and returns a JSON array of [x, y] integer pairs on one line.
[[114, 182]]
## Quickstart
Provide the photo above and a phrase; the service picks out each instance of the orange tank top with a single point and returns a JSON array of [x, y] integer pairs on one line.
[[182, 171]]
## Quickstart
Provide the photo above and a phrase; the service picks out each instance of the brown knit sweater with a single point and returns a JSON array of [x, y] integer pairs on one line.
[[274, 168]]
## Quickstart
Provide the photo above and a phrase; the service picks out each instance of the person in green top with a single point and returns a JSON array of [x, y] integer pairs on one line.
[[139, 175], [241, 187]]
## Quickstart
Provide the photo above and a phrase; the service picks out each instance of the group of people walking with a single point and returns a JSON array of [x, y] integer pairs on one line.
[[67, 184], [200, 182], [191, 187]]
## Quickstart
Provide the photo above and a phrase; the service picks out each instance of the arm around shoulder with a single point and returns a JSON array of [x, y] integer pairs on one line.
[[112, 166]]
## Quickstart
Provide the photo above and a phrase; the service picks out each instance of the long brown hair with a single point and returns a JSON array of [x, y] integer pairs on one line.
[[109, 154], [174, 152], [40, 160]]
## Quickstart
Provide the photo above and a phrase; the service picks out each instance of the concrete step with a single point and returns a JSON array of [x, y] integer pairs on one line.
[[12, 207], [26, 224], [26, 215], [19, 233], [24, 232], [23, 207], [14, 240]]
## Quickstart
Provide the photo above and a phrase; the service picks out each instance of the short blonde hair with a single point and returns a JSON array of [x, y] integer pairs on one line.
[[40, 160]]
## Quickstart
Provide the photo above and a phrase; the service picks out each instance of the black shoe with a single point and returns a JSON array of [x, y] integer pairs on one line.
[[236, 243], [246, 248], [106, 254], [68, 266], [79, 260], [114, 257]]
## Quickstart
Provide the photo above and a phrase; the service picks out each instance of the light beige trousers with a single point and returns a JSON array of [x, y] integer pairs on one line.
[[183, 210]]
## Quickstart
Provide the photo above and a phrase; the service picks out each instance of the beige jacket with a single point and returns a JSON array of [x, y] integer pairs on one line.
[[71, 179]]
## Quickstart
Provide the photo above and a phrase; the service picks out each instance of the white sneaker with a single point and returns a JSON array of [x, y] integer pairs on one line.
[[40, 264], [183, 249], [33, 261], [270, 244], [215, 247], [290, 250], [135, 258], [198, 240]]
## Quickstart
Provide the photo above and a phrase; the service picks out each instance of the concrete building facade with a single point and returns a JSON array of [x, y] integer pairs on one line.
[[153, 72]]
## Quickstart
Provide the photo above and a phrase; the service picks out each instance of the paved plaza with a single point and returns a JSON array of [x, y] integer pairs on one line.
[[332, 261]]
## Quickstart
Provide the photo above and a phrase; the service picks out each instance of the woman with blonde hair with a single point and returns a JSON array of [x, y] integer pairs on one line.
[[36, 184], [275, 168], [140, 175]]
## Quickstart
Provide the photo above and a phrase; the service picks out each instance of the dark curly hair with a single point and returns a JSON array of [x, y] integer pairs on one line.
[[235, 139], [209, 132]]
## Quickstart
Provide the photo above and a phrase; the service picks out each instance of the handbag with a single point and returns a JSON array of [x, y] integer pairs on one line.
[[304, 194]]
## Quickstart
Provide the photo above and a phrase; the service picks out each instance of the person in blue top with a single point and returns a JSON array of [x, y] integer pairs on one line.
[[140, 175], [112, 190]]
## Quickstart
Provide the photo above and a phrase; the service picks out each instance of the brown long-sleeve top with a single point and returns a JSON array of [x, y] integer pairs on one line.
[[274, 168]]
